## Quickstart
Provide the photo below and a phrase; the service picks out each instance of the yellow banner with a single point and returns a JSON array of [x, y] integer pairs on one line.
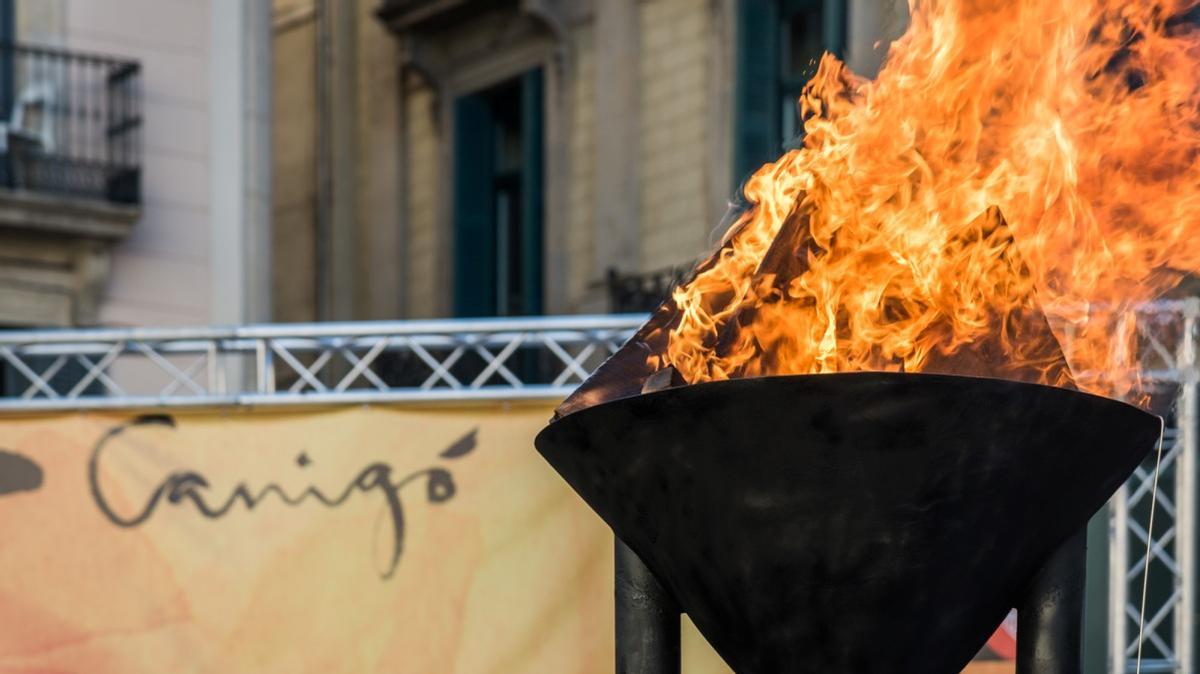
[[347, 541]]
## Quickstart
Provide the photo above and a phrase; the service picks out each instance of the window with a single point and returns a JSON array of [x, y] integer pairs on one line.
[[779, 43], [498, 200], [8, 36]]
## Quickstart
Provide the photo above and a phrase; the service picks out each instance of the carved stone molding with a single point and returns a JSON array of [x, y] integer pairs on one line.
[[555, 17], [402, 16], [420, 25], [55, 255]]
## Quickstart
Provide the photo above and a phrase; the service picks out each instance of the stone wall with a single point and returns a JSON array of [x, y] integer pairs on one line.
[[675, 156], [583, 282], [422, 252]]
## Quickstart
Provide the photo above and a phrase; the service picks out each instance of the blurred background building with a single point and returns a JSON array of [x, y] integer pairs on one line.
[[134, 180], [135, 165], [474, 158], [167, 162], [192, 162]]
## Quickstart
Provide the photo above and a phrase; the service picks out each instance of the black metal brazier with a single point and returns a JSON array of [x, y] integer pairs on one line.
[[865, 522]]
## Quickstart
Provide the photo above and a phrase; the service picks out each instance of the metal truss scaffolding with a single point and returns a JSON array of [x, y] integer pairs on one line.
[[544, 358], [1166, 333], [415, 361]]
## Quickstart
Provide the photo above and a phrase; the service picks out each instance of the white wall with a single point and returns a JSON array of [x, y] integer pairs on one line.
[[160, 275], [176, 266]]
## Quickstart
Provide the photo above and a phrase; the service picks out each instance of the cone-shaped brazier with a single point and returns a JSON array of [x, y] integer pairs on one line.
[[851, 522]]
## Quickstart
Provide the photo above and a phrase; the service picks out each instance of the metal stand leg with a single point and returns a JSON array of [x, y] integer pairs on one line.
[[647, 619], [1050, 615]]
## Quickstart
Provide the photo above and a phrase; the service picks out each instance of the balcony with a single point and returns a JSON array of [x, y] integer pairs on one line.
[[73, 124], [70, 179], [643, 292]]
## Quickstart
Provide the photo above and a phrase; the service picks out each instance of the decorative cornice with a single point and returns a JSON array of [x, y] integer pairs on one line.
[[402, 16]]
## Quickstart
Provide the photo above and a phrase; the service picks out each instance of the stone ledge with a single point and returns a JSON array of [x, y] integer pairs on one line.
[[41, 213]]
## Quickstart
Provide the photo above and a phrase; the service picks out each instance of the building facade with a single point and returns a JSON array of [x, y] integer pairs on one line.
[[467, 158], [135, 162]]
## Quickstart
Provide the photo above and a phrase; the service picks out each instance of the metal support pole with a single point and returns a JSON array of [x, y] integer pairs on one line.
[[1185, 491], [647, 619], [1118, 583], [1050, 615]]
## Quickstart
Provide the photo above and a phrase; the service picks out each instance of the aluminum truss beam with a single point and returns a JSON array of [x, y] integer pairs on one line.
[[1167, 354], [540, 358]]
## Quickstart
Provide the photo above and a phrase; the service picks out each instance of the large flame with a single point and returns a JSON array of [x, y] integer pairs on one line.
[[1011, 158]]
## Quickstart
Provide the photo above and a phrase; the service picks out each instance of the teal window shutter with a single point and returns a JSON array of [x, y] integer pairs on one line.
[[474, 229], [835, 27], [8, 36], [756, 121], [778, 45]]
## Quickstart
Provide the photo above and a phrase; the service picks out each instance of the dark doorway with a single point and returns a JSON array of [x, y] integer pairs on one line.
[[498, 199]]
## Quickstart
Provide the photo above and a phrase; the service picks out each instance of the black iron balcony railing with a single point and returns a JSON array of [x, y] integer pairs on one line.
[[70, 124], [642, 292]]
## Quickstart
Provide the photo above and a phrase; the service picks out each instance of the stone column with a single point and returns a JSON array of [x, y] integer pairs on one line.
[[240, 162], [337, 115], [615, 237]]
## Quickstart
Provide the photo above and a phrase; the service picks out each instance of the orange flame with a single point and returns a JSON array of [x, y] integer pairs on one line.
[[1011, 158]]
